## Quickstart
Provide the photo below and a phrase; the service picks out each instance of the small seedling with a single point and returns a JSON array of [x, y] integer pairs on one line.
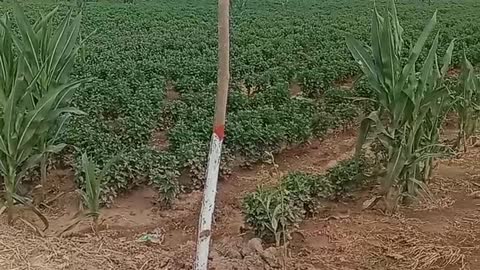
[[91, 194]]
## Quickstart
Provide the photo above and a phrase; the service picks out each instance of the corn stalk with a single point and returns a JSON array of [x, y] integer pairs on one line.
[[466, 103], [19, 120], [32, 100], [49, 53], [405, 123]]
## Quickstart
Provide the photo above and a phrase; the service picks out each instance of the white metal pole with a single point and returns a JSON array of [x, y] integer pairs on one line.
[[208, 203]]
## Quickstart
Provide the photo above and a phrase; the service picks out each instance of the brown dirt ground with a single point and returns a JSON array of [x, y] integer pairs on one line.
[[346, 83], [441, 232]]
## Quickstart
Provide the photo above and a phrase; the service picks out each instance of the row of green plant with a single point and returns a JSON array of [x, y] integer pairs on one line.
[[140, 48], [273, 211], [137, 50], [402, 131]]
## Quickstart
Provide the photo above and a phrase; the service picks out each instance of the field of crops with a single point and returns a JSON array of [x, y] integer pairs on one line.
[[154, 70], [299, 74]]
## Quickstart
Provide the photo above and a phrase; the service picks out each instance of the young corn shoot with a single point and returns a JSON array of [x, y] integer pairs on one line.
[[91, 195], [405, 123]]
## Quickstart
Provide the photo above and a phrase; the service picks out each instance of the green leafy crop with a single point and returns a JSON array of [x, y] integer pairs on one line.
[[139, 49], [271, 212]]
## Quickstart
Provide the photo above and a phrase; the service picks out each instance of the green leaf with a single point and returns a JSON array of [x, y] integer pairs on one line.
[[447, 59], [394, 168], [55, 148], [415, 52], [31, 43]]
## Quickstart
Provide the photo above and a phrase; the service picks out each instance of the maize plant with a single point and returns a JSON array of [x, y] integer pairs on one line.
[[49, 53], [91, 195], [406, 121], [27, 111], [466, 99]]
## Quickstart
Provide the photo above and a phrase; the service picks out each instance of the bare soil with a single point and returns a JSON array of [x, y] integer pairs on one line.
[[440, 232], [295, 89], [159, 140], [346, 83], [171, 93]]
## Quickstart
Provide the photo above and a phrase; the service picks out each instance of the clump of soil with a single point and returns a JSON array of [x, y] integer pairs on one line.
[[171, 93], [159, 140]]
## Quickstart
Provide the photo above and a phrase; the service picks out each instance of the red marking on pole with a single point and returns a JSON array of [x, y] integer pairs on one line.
[[219, 131]]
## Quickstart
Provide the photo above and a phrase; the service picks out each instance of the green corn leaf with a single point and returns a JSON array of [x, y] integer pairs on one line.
[[389, 58], [45, 20], [67, 92], [447, 59], [55, 148], [31, 42], [415, 52], [394, 168], [38, 115], [84, 40], [59, 127], [3, 146], [403, 107], [376, 42], [56, 114], [432, 98], [9, 119], [63, 51], [427, 70], [64, 70], [366, 125], [3, 167], [362, 57], [366, 64], [397, 29]]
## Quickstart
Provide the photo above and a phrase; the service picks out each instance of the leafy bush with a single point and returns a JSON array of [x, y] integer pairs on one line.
[[346, 175], [271, 212], [339, 104], [304, 190]]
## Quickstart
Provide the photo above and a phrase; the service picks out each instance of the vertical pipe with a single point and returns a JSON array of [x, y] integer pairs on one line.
[[208, 203]]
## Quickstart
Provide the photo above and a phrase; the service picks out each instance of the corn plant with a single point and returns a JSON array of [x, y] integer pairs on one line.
[[91, 196], [33, 101], [405, 122], [22, 121], [49, 53], [466, 99], [271, 212], [93, 187]]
